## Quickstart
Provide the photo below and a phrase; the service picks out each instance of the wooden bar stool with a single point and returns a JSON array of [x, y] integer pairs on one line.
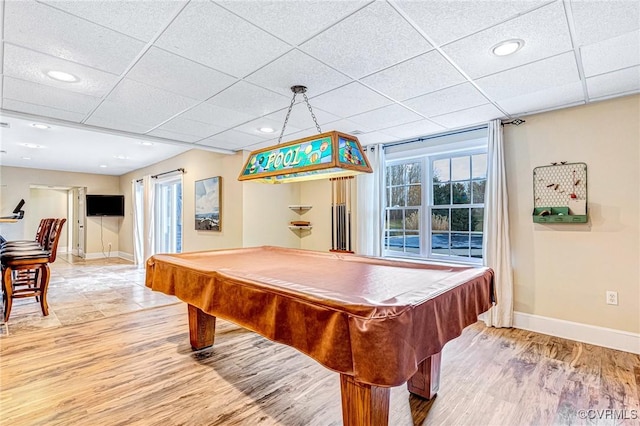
[[25, 272]]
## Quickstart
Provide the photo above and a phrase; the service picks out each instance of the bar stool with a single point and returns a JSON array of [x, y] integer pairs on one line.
[[25, 273]]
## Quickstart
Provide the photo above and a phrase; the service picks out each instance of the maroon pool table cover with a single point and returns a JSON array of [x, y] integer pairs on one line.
[[372, 318]]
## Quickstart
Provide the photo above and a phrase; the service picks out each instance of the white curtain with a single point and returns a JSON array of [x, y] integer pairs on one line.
[[148, 243], [370, 203], [138, 223], [497, 249]]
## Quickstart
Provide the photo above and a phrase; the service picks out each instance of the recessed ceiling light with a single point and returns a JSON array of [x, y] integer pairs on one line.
[[266, 129], [146, 143], [40, 126], [507, 47], [31, 145], [62, 76], [102, 165], [121, 157], [26, 158]]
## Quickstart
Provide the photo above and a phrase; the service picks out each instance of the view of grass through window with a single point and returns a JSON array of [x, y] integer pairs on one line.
[[446, 215]]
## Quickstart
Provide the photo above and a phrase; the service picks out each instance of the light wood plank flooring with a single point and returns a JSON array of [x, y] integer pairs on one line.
[[137, 368]]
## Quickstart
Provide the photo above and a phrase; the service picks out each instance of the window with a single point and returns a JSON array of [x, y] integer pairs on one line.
[[435, 204]]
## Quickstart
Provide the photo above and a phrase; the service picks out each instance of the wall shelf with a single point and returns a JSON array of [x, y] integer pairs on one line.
[[560, 193], [300, 227], [300, 208]]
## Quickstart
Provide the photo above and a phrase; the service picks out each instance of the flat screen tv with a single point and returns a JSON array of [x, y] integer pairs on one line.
[[105, 205]]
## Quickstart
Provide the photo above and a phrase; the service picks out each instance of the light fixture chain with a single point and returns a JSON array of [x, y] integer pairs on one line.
[[315, 120], [286, 119]]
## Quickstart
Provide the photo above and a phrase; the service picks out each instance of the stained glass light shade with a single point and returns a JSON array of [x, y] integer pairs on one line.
[[322, 156]]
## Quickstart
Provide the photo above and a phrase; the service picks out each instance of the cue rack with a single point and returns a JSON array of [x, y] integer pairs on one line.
[[341, 214]]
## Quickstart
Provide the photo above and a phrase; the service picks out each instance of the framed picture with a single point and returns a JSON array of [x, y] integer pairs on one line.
[[208, 204]]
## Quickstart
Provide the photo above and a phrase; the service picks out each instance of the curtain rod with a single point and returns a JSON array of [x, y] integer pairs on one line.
[[181, 170], [439, 135]]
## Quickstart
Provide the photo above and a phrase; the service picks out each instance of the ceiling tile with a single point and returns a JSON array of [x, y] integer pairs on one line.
[[392, 115], [212, 114], [557, 71], [166, 134], [31, 66], [112, 115], [144, 104], [44, 111], [139, 19], [293, 21], [210, 35], [297, 68], [375, 137], [300, 116], [445, 21], [544, 31], [413, 130], [614, 83], [599, 20], [553, 97], [231, 139], [346, 126], [612, 54], [428, 72], [197, 129], [371, 39], [179, 75], [252, 128], [446, 100], [53, 97], [44, 29], [468, 117], [250, 99], [352, 99]]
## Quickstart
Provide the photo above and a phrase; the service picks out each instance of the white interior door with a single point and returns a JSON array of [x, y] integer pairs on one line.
[[81, 219]]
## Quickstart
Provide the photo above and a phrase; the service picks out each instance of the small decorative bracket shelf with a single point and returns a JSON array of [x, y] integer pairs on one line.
[[300, 227], [300, 209], [560, 193]]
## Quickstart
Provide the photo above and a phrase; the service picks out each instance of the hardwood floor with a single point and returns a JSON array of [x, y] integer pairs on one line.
[[138, 369]]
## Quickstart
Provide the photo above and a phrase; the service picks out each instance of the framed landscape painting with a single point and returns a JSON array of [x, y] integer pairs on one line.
[[208, 204]]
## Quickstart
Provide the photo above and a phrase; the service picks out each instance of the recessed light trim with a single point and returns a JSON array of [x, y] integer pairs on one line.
[[26, 158], [62, 76], [32, 145], [266, 129], [40, 126], [102, 165], [507, 47], [121, 157], [146, 143]]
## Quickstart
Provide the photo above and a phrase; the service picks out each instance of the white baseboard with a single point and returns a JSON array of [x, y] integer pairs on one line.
[[601, 336], [106, 255], [125, 256]]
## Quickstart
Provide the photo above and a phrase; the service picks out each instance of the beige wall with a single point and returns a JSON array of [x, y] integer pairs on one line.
[[198, 165], [47, 203], [253, 214], [563, 271], [267, 215], [16, 182]]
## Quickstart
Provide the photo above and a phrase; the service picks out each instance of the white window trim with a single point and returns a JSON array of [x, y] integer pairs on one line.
[[427, 155]]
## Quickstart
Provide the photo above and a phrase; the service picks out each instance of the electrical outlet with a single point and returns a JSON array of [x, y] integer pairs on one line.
[[612, 297]]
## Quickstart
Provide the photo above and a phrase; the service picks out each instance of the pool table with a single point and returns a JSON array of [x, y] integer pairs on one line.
[[377, 322]]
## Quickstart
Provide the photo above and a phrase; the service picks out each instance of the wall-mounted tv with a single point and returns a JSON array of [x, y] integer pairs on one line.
[[105, 205]]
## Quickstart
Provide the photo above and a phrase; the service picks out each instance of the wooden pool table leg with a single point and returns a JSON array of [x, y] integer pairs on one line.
[[426, 382], [363, 404], [202, 328]]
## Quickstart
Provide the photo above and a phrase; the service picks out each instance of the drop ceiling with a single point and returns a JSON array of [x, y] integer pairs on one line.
[[209, 74]]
